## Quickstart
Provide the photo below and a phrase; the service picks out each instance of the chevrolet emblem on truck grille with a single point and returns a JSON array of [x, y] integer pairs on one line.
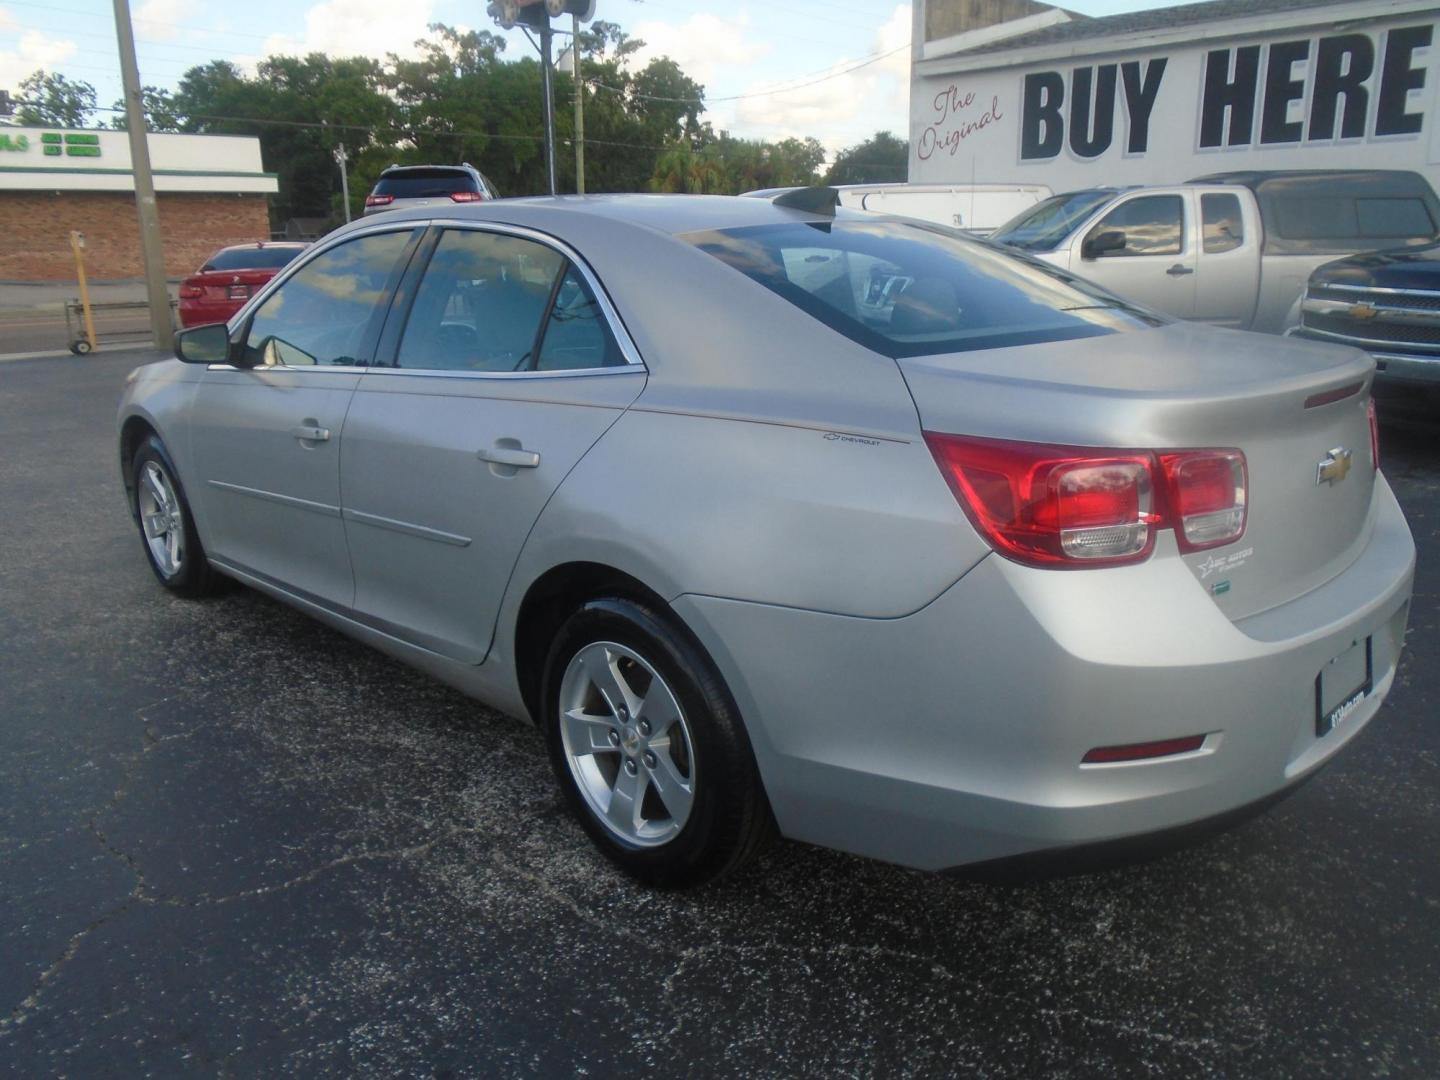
[[1363, 311], [1334, 466]]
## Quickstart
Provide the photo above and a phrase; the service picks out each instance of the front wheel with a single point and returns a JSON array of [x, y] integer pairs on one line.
[[649, 748], [172, 546]]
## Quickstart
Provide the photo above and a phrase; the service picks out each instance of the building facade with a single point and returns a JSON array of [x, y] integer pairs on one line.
[[1011, 90], [210, 190]]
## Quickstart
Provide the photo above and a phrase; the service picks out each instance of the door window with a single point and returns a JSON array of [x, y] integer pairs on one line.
[[496, 303], [1221, 223], [327, 313], [1152, 224]]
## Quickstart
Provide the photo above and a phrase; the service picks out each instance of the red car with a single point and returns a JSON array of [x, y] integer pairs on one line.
[[228, 279]]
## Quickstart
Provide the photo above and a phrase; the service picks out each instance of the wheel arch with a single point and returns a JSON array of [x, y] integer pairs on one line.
[[133, 431], [552, 598]]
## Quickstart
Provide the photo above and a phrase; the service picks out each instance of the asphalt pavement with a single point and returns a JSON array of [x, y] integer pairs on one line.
[[235, 843]]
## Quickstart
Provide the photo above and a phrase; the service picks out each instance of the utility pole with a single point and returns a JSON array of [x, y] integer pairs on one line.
[[579, 105], [162, 328], [549, 99], [344, 162]]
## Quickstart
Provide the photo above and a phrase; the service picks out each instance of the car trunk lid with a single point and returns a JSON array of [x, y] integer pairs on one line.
[[1285, 404]]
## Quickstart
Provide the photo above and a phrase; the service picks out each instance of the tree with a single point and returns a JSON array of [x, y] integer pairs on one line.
[[879, 159], [54, 101], [159, 106]]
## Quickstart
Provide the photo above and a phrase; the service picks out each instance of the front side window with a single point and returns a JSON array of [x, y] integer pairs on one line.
[[1221, 223], [326, 313], [496, 303], [1152, 224], [903, 288], [1043, 226]]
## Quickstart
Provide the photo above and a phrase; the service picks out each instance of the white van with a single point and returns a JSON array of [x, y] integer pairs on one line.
[[977, 208]]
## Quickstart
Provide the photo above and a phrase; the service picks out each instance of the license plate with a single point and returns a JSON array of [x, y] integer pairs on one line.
[[1342, 685], [239, 292]]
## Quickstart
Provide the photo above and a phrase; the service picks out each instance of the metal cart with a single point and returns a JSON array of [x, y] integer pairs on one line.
[[75, 324]]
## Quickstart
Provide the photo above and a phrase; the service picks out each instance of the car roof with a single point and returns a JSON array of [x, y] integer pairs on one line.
[[256, 245], [669, 214]]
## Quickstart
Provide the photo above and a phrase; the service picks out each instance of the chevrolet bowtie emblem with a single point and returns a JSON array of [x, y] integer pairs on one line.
[[1334, 466], [1363, 311]]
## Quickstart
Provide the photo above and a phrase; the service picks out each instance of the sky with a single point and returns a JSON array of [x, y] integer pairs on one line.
[[834, 69]]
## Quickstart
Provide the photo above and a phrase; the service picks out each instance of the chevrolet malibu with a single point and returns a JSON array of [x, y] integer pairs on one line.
[[774, 516]]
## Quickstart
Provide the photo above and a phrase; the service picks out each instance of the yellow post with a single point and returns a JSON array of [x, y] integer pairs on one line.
[[77, 245]]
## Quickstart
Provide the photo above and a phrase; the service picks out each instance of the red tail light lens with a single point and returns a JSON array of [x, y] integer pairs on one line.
[[1052, 505], [466, 196], [1110, 755], [191, 292], [1207, 496], [379, 200], [1075, 506], [1374, 434]]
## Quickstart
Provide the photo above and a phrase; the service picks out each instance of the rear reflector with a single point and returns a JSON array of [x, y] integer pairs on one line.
[[1374, 434], [1140, 751]]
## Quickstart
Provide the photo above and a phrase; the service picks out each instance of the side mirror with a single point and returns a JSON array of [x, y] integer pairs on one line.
[[203, 344], [1098, 244]]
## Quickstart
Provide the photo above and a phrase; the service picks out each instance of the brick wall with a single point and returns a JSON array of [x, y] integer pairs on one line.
[[35, 232]]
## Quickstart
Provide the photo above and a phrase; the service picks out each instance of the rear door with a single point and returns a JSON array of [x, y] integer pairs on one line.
[[266, 439], [502, 365], [1227, 279], [1156, 264]]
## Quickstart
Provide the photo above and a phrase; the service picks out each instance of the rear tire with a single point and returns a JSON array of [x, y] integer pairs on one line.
[[649, 748], [167, 528]]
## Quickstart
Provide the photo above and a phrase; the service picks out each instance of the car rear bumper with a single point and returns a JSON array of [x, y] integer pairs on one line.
[[204, 312], [955, 735]]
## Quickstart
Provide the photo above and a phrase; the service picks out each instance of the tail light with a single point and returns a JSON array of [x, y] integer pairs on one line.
[[466, 196], [1374, 434], [191, 292], [1072, 506], [379, 200]]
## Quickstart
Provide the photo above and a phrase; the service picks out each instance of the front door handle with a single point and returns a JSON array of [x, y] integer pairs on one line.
[[306, 433], [1179, 270], [510, 455]]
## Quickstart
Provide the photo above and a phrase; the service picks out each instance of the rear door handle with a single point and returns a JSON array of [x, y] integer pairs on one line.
[[513, 456], [306, 433], [1179, 270]]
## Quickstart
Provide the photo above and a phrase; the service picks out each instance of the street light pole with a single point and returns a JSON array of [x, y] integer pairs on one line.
[[344, 162], [162, 328], [579, 105]]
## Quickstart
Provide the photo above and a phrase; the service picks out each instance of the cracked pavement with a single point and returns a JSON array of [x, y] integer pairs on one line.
[[233, 842]]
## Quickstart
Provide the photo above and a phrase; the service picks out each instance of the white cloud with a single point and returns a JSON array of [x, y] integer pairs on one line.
[[356, 28], [33, 50], [156, 19], [703, 45], [7, 21], [845, 104]]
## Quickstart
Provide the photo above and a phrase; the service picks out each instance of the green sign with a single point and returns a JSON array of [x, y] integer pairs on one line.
[[55, 144], [19, 142]]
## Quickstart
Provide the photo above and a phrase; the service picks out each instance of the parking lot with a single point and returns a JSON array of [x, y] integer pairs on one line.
[[233, 842]]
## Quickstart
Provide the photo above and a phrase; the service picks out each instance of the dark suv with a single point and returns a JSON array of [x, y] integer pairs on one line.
[[422, 185]]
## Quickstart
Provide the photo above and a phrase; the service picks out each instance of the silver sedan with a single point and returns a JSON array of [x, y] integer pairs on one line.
[[779, 517]]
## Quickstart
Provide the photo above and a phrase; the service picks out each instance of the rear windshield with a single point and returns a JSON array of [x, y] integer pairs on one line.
[[425, 183], [269, 258], [903, 288], [1041, 227]]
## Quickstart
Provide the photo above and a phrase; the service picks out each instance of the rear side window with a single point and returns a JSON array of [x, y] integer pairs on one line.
[[493, 302], [1152, 224], [425, 183], [270, 258], [905, 289], [1349, 218], [1221, 224]]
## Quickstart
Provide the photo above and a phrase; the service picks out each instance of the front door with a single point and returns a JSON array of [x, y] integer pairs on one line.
[[266, 438], [504, 372], [1155, 263]]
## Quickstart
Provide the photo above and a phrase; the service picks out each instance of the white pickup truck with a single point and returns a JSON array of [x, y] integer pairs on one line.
[[1232, 249]]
